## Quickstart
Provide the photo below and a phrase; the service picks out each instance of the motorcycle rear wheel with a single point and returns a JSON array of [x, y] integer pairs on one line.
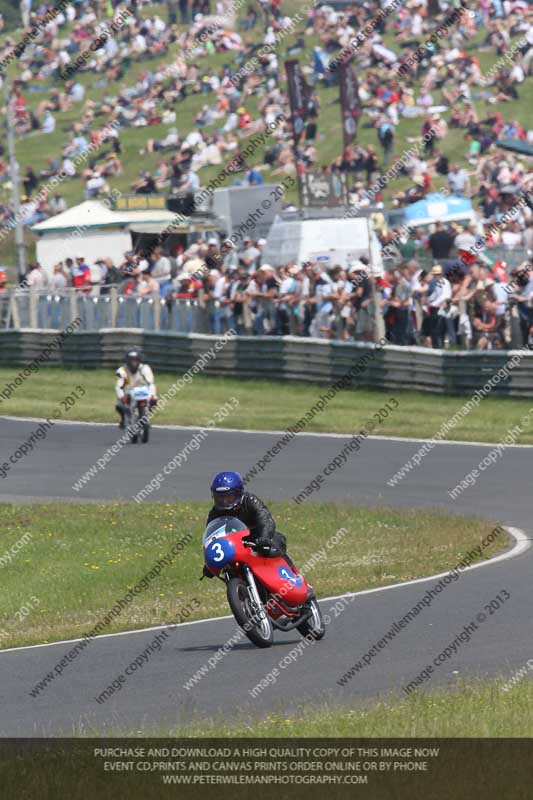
[[262, 633]]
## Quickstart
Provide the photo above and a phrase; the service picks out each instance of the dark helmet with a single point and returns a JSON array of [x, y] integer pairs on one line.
[[133, 360], [227, 490]]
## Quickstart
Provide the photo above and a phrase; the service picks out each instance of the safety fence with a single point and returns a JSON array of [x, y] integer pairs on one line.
[[95, 309], [281, 359]]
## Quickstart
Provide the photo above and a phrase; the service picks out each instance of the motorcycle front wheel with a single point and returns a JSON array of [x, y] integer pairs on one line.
[[130, 420], [313, 626], [260, 632], [145, 425], [133, 436]]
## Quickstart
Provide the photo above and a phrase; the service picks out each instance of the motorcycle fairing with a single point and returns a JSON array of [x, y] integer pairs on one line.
[[277, 577]]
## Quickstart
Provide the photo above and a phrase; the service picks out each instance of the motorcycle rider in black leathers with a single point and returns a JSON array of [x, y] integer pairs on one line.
[[230, 499]]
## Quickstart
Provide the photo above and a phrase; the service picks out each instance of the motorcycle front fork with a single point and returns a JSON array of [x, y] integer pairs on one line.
[[252, 586]]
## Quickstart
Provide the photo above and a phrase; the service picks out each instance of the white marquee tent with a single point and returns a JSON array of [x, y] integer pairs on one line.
[[94, 231]]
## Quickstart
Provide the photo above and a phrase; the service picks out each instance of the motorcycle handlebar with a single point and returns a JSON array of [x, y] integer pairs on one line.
[[252, 544]]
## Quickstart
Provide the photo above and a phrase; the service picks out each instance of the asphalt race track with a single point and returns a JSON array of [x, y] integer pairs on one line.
[[155, 695]]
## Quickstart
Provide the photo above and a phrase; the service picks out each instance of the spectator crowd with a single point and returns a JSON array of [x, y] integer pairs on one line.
[[224, 121], [431, 291], [434, 291]]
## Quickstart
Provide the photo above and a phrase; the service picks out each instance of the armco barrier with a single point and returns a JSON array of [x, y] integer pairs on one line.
[[279, 358]]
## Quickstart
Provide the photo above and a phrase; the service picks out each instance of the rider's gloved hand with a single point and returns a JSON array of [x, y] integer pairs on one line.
[[207, 573], [263, 544]]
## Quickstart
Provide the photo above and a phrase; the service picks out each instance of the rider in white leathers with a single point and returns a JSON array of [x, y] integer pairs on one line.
[[133, 374]]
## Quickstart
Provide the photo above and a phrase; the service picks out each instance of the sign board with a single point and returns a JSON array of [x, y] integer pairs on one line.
[[141, 202], [323, 189]]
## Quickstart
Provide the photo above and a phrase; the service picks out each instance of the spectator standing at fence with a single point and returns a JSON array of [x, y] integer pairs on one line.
[[400, 300], [485, 326], [81, 273], [228, 256], [501, 306], [521, 296], [145, 285], [98, 272], [325, 296], [211, 295], [266, 297], [112, 276], [415, 275], [227, 281], [438, 296], [36, 277], [260, 246], [249, 255], [184, 287], [241, 304], [287, 298], [59, 279], [361, 291], [161, 269], [129, 265], [252, 292], [303, 306], [213, 258]]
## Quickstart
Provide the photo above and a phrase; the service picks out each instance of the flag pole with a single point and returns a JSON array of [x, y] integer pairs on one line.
[[14, 175], [297, 91]]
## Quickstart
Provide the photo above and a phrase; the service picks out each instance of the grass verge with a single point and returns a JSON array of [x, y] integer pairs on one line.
[[78, 564], [266, 405], [478, 709]]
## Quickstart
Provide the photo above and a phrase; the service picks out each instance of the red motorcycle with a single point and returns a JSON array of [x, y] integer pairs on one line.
[[263, 592]]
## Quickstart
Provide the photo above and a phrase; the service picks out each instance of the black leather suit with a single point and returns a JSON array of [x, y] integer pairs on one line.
[[258, 519]]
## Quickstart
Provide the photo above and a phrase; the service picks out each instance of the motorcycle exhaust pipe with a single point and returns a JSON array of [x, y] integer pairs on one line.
[[289, 626]]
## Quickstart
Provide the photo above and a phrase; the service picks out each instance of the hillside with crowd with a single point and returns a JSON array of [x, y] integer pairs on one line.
[[182, 93]]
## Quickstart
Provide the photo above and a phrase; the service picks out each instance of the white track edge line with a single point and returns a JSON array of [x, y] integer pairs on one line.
[[274, 432], [522, 543]]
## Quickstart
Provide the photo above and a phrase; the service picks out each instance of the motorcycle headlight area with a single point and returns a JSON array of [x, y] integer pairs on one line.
[[219, 553]]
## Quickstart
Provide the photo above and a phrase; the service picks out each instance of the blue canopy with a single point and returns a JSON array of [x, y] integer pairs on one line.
[[441, 207]]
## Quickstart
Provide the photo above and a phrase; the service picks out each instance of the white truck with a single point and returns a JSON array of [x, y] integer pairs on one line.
[[330, 241]]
